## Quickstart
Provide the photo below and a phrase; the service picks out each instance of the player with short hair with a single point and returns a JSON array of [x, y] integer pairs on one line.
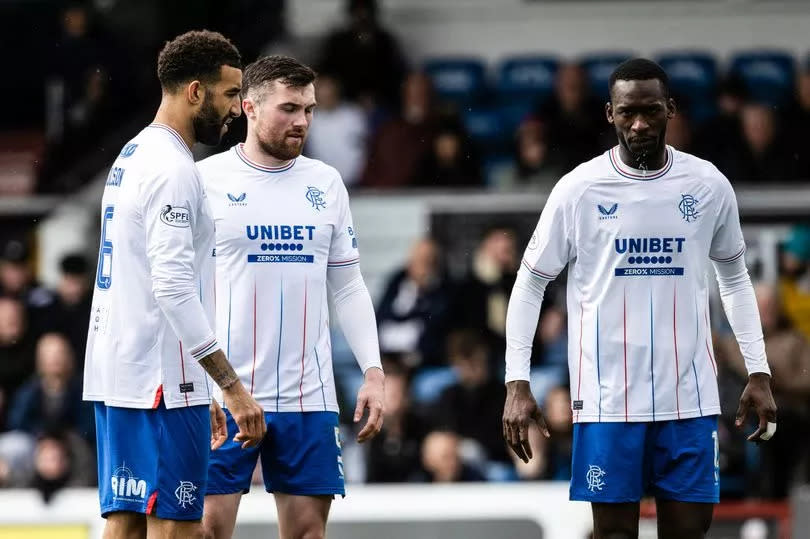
[[285, 243], [150, 340], [636, 227]]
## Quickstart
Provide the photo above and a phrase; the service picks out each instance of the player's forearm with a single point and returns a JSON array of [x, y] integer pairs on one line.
[[219, 369], [740, 306], [182, 308], [355, 312], [522, 315]]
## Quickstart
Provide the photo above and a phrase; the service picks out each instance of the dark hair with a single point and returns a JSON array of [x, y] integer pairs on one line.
[[640, 69], [284, 69], [196, 55]]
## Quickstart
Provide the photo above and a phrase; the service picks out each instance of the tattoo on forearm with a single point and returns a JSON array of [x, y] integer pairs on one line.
[[218, 368]]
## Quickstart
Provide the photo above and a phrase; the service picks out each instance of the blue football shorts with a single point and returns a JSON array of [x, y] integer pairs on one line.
[[300, 455], [153, 461], [670, 460]]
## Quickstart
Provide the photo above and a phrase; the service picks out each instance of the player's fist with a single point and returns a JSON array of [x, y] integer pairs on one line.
[[519, 411], [219, 426], [247, 414]]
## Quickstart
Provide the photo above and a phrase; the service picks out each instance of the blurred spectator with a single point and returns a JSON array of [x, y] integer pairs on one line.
[[481, 298], [393, 455], [720, 138], [789, 358], [338, 134], [16, 352], [73, 303], [57, 465], [794, 284], [679, 132], [79, 100], [53, 397], [16, 459], [473, 407], [797, 123], [412, 315], [452, 161], [574, 118], [442, 461], [764, 158], [403, 143], [364, 57], [17, 281], [534, 167]]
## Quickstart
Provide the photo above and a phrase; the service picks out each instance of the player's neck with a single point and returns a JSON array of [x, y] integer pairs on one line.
[[256, 153], [654, 161], [171, 117]]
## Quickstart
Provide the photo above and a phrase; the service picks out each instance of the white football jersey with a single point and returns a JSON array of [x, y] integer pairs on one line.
[[638, 246], [148, 325], [277, 232]]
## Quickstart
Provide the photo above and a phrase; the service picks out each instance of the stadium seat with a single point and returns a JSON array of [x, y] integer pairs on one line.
[[693, 80], [460, 80], [599, 67], [526, 79], [485, 126], [428, 383], [768, 75]]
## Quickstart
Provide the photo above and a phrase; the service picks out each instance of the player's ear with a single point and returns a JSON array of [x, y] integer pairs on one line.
[[671, 108], [249, 108], [195, 92], [609, 112]]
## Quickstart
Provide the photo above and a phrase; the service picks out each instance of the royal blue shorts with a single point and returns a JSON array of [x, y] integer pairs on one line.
[[621, 462], [153, 461], [300, 455]]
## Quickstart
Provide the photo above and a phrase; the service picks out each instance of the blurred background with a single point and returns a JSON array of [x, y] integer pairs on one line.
[[450, 121]]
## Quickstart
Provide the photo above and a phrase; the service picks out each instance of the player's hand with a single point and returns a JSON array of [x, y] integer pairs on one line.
[[371, 396], [219, 427], [519, 411], [247, 414], [757, 395]]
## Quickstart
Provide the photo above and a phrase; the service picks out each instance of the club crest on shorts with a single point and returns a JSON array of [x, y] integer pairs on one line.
[[594, 477], [185, 493]]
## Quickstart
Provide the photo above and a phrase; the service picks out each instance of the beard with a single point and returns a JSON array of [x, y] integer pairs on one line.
[[208, 124], [645, 152], [281, 148]]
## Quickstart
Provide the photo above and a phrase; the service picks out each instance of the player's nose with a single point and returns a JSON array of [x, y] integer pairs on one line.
[[640, 124], [236, 108]]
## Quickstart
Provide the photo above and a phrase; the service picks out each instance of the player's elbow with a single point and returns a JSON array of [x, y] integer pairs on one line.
[[169, 295]]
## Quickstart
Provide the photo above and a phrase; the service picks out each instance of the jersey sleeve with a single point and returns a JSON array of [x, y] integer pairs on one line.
[[170, 211], [343, 250], [551, 246], [727, 240]]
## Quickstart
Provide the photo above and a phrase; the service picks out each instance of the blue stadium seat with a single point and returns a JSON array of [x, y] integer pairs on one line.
[[599, 67], [460, 80], [768, 75], [526, 79], [693, 78], [428, 383], [485, 126]]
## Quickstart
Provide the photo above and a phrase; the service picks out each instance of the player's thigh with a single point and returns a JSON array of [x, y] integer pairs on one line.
[[683, 520], [302, 517], [219, 515], [615, 520], [303, 456], [686, 465], [125, 525], [159, 528], [608, 462]]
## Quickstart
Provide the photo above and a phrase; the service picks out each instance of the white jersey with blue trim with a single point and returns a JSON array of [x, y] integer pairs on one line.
[[277, 232], [638, 245], [149, 324]]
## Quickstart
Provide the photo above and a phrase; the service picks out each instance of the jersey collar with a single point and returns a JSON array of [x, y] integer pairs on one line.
[[239, 148], [174, 134], [637, 174]]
